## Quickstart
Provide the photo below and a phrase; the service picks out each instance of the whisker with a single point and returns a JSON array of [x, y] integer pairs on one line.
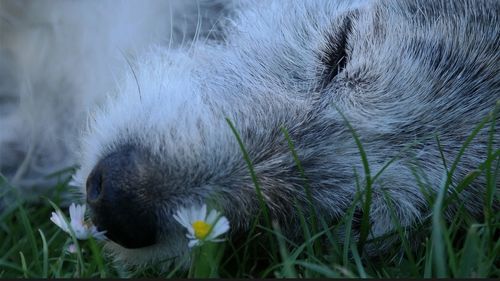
[[134, 74]]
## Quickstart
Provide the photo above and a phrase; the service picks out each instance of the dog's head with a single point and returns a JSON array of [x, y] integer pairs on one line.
[[397, 70]]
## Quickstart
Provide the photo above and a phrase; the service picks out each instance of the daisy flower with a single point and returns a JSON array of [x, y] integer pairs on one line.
[[71, 249], [83, 230], [202, 227]]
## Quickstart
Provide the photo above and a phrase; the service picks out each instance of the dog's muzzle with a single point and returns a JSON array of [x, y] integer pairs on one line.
[[119, 199]]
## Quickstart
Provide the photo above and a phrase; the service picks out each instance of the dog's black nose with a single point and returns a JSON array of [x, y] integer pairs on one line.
[[117, 193]]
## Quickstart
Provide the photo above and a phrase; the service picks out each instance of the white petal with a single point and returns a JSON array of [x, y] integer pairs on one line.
[[82, 211], [71, 249], [58, 219], [193, 243], [212, 217], [77, 226], [190, 230], [181, 214], [196, 214], [181, 218], [81, 233], [190, 214], [73, 212], [202, 215], [193, 214], [99, 235], [55, 219], [221, 227]]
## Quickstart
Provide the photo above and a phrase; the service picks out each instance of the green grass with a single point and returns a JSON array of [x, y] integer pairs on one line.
[[32, 246]]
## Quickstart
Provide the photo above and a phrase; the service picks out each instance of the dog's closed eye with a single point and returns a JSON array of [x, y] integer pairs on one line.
[[335, 55]]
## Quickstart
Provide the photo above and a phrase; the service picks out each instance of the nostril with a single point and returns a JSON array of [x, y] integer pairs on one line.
[[94, 186]]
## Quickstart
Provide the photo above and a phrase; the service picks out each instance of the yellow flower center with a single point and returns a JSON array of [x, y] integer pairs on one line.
[[201, 229]]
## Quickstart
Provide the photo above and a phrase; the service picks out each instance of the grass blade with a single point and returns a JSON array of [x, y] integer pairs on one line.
[[45, 252], [365, 220]]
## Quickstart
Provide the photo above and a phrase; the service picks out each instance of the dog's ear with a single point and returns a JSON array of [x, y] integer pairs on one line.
[[201, 19]]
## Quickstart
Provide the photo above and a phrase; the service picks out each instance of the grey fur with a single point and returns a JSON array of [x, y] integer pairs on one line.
[[408, 70]]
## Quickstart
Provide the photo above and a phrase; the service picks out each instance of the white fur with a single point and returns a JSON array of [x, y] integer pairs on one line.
[[259, 64]]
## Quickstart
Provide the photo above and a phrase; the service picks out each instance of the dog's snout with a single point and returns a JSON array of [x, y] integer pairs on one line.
[[117, 196]]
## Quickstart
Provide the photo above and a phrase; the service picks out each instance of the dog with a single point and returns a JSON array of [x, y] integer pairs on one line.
[[142, 101]]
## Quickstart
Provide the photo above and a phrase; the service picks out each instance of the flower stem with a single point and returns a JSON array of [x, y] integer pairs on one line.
[[205, 261]]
